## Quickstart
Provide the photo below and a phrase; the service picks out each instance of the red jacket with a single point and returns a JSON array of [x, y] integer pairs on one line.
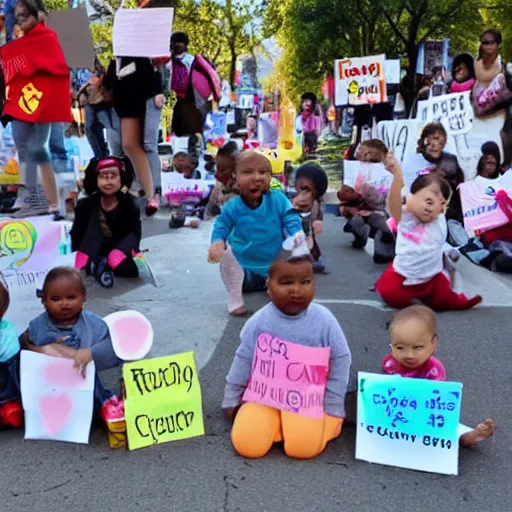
[[36, 78]]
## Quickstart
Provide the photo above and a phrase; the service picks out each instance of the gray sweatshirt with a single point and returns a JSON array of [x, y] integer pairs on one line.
[[314, 327]]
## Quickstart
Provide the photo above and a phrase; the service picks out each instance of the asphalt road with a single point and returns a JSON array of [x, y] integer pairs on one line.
[[204, 474]]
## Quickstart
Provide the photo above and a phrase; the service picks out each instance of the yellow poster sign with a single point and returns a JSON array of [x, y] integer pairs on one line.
[[163, 400]]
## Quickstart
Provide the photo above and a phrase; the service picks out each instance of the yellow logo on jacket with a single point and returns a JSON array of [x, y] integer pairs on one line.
[[30, 99]]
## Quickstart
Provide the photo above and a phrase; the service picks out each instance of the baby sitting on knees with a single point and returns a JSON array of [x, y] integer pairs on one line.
[[413, 343], [290, 316]]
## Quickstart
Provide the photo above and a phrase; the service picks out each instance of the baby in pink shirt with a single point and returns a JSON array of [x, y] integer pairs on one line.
[[413, 334]]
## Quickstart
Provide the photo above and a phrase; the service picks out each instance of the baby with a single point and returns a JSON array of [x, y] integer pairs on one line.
[[413, 343]]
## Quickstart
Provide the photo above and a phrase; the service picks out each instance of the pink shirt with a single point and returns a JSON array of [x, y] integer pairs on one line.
[[433, 369]]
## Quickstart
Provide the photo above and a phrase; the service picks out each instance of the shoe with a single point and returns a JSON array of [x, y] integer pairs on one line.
[[112, 409], [151, 207], [11, 414], [103, 274]]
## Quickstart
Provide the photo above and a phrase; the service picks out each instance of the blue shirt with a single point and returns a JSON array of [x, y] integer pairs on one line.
[[256, 234], [89, 331], [9, 343]]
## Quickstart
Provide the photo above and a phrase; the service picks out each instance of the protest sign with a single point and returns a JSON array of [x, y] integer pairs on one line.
[[57, 400], [163, 400], [178, 190], [72, 27], [392, 71], [356, 173], [480, 207], [9, 166], [454, 111], [408, 423], [29, 248], [360, 80], [400, 137], [288, 376], [152, 27]]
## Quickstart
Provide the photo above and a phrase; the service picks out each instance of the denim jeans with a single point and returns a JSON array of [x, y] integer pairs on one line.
[[95, 122], [57, 147], [31, 141], [151, 128]]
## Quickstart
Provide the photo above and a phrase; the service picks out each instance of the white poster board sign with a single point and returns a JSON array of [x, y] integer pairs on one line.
[[392, 71], [142, 32], [360, 80], [400, 137], [356, 173], [454, 111], [57, 400], [408, 423]]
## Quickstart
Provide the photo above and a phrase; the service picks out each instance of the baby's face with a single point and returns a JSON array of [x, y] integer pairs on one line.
[[412, 343], [370, 155], [306, 193], [426, 204]]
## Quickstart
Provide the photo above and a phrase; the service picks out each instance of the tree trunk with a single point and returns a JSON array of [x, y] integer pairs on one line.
[[232, 66]]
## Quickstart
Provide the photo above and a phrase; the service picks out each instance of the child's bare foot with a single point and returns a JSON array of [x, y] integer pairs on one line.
[[480, 433], [241, 311]]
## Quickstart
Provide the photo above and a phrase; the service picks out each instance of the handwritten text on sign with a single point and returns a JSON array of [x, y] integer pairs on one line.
[[356, 173], [409, 423], [360, 80], [163, 400], [288, 376], [453, 110]]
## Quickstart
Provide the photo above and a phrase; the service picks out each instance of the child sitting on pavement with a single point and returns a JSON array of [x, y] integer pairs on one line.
[[413, 334], [249, 232], [365, 207], [66, 330], [292, 316], [311, 184]]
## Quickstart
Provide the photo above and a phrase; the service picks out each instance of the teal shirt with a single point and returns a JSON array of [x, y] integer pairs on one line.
[[9, 343], [256, 234]]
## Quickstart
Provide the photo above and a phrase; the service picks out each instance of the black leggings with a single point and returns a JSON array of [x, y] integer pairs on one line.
[[127, 268]]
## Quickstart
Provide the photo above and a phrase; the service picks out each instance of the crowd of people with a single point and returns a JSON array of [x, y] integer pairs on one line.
[[261, 240]]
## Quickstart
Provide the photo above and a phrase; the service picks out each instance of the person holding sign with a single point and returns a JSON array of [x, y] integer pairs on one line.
[[66, 330], [416, 273], [250, 230], [413, 343], [291, 391]]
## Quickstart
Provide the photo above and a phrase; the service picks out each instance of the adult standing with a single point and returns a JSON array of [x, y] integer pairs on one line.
[[37, 80], [194, 81]]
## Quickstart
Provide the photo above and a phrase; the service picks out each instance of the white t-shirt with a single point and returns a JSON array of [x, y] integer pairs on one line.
[[419, 248]]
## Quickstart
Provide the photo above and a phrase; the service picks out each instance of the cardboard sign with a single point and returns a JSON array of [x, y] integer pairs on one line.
[[29, 249], [360, 80], [72, 27], [178, 190], [454, 111], [400, 137], [57, 400], [163, 400], [142, 32], [479, 207], [288, 376], [408, 423], [355, 172]]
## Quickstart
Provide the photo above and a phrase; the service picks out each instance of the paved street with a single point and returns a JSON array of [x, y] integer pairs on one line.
[[204, 474]]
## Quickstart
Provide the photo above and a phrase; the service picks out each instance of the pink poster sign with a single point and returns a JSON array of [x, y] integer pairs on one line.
[[288, 376]]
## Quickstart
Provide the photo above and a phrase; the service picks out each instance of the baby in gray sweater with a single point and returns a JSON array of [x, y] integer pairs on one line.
[[290, 316]]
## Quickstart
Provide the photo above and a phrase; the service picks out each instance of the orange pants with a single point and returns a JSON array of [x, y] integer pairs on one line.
[[257, 427]]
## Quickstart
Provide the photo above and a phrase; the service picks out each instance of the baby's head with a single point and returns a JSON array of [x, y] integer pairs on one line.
[[253, 174], [291, 283], [63, 294], [413, 333], [432, 140], [430, 193], [372, 151], [108, 176], [183, 164], [463, 68], [225, 163], [311, 183], [4, 299], [488, 166]]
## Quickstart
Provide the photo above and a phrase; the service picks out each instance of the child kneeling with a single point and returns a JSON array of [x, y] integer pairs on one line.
[[290, 316], [66, 330]]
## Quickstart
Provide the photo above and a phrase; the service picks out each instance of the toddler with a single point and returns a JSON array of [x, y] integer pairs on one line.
[[186, 165], [291, 316], [416, 274], [65, 329], [311, 184], [106, 230], [11, 411], [249, 232], [413, 343]]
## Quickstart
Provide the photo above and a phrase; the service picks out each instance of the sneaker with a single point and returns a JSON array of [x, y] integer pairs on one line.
[[112, 409], [151, 207], [11, 414], [103, 274]]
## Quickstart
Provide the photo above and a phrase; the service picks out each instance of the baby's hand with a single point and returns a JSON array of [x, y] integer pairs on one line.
[[392, 164], [83, 357], [230, 413], [318, 227], [216, 251]]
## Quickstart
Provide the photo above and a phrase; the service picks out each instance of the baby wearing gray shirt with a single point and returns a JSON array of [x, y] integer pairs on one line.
[[316, 326]]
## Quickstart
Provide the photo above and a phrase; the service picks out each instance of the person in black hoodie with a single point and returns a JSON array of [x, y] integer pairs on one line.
[[106, 231]]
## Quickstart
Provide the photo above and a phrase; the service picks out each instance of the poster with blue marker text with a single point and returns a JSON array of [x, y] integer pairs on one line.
[[408, 423]]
